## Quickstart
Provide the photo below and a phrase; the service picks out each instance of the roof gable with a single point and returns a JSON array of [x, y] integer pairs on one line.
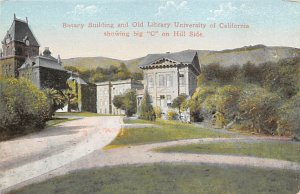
[[185, 57], [20, 31]]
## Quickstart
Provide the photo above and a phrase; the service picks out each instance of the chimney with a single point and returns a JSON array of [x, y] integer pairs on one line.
[[26, 20], [15, 16], [47, 52]]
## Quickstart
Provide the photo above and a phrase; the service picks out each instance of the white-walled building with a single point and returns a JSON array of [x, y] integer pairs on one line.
[[166, 76], [169, 75], [106, 91]]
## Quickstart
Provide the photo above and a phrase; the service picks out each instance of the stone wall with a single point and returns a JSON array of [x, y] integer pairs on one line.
[[9, 66]]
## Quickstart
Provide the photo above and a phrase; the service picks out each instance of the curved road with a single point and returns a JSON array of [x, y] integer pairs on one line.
[[143, 154], [33, 155]]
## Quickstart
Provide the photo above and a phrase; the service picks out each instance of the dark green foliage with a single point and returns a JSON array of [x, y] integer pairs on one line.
[[56, 100], [258, 108], [178, 101], [146, 109], [261, 98], [24, 108], [126, 102], [111, 73]]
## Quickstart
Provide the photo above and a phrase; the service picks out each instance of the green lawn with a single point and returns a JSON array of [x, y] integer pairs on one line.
[[79, 114], [171, 178], [277, 150], [162, 131]]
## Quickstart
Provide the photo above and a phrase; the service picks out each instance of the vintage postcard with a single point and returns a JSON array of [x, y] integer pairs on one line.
[[150, 96]]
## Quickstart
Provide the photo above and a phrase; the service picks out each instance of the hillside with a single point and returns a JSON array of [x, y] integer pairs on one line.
[[255, 54]]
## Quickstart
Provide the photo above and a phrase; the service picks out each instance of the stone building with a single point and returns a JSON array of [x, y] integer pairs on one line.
[[106, 91], [45, 71], [18, 44], [86, 94], [168, 75], [20, 58]]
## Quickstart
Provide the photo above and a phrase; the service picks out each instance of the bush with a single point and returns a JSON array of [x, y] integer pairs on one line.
[[289, 114], [259, 107], [172, 115], [24, 108], [178, 101], [147, 112], [157, 111], [126, 102], [56, 100], [201, 106], [225, 101]]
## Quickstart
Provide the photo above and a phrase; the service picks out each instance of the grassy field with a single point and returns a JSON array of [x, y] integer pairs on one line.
[[276, 150], [171, 178], [162, 131]]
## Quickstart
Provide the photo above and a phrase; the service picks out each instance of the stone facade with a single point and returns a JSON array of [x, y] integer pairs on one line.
[[106, 91], [168, 75], [20, 58], [18, 44], [45, 71]]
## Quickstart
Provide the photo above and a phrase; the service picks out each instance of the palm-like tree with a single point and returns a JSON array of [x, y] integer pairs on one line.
[[56, 98]]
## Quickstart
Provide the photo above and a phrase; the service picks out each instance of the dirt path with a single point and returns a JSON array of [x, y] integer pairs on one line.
[[143, 154], [33, 155]]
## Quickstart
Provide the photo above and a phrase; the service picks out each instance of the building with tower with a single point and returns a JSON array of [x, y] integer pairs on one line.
[[45, 71], [18, 44], [20, 58]]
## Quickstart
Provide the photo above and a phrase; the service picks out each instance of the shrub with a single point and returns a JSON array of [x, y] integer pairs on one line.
[[172, 115], [126, 102], [157, 111], [24, 108], [56, 100], [259, 107], [226, 105], [147, 112], [200, 104], [289, 114], [178, 101]]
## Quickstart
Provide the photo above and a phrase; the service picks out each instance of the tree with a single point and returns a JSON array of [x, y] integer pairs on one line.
[[147, 112], [56, 100], [118, 101], [137, 76], [259, 108], [23, 107], [126, 102], [178, 101], [72, 95]]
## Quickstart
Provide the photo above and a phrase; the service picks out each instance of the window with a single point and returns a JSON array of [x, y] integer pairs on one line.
[[181, 79], [162, 80], [169, 101], [169, 80], [150, 81]]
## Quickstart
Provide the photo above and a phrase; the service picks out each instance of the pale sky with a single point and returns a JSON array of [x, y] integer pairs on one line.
[[272, 22]]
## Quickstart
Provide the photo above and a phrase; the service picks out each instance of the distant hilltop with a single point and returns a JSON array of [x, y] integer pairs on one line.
[[255, 54]]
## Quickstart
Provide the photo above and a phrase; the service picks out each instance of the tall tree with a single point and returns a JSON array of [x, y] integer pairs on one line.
[[147, 112]]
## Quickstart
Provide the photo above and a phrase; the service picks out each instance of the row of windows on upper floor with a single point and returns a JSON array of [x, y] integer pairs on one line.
[[104, 92], [165, 80]]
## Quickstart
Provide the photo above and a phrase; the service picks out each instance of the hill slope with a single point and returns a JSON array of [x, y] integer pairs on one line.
[[255, 54]]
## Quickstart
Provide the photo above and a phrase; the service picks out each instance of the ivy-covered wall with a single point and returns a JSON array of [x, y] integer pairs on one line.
[[52, 78], [88, 98]]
